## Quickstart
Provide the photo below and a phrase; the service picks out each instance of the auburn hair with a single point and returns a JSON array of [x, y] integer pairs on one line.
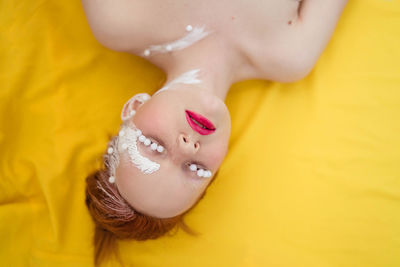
[[115, 219]]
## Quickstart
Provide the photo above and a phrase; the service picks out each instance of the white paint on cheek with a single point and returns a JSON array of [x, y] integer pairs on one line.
[[130, 138]]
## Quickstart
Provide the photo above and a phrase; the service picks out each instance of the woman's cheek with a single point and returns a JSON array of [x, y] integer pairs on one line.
[[215, 156]]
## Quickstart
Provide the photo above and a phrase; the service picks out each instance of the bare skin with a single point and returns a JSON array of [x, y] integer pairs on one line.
[[277, 40]]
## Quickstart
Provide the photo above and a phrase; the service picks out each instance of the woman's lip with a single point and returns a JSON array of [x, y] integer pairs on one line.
[[191, 116]]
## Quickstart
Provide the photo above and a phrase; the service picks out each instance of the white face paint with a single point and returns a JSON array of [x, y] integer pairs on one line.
[[128, 139]]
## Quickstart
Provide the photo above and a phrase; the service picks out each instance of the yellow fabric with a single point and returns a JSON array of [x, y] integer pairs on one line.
[[312, 177]]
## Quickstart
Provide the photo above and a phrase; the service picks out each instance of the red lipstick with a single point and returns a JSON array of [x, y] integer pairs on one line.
[[199, 123]]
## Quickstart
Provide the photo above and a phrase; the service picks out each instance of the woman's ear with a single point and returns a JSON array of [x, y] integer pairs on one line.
[[131, 106]]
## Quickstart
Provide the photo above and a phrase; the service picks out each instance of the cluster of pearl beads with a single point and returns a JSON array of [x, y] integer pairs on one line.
[[168, 47], [143, 139], [147, 142], [200, 172]]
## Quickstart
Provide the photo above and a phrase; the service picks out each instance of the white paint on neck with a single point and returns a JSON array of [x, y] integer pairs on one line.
[[130, 138], [189, 77]]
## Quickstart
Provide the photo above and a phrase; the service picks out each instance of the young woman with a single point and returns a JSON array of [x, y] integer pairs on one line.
[[171, 144]]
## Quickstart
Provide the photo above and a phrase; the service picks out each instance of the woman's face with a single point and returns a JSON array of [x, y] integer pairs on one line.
[[174, 188]]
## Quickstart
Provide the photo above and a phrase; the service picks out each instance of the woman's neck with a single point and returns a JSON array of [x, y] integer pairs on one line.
[[220, 65]]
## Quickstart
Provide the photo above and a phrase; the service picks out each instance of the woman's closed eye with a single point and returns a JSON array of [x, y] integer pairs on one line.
[[197, 169], [152, 145]]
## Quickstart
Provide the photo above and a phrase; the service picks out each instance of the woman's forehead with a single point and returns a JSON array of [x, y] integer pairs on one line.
[[167, 191]]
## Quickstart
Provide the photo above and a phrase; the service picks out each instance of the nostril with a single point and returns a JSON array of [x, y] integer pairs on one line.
[[184, 139], [196, 145]]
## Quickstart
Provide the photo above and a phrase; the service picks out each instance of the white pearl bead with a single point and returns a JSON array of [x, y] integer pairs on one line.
[[111, 179], [200, 172], [132, 112], [189, 28], [110, 150], [147, 142], [168, 47], [193, 167], [138, 133], [153, 146], [124, 146], [121, 133], [160, 149], [147, 52], [208, 174], [142, 138]]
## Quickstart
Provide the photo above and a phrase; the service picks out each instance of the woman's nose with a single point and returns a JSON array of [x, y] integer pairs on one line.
[[187, 145]]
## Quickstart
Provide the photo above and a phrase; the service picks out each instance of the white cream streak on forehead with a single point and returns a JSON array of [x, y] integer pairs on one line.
[[130, 138]]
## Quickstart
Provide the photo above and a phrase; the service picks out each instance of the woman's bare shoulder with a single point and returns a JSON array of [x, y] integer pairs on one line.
[[124, 25], [282, 39], [291, 53]]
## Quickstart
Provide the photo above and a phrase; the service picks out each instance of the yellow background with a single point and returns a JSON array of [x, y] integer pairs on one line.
[[312, 177]]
